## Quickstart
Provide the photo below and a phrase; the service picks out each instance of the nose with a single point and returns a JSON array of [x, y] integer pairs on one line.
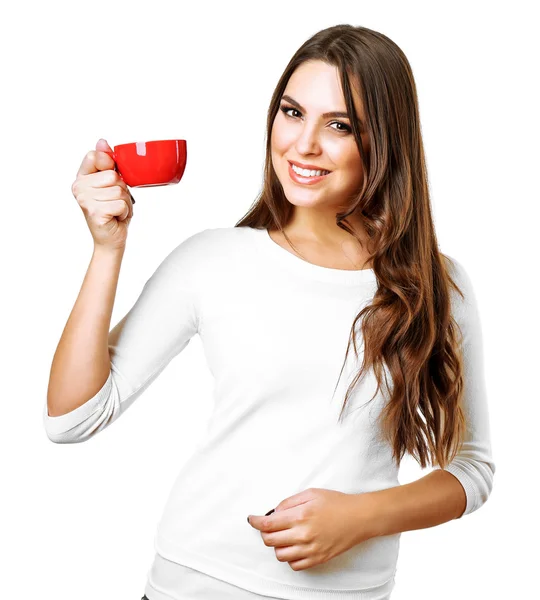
[[308, 140]]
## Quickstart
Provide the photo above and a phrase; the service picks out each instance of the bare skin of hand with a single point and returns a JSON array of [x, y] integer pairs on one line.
[[314, 526]]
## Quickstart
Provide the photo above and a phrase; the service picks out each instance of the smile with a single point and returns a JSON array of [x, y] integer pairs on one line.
[[306, 179]]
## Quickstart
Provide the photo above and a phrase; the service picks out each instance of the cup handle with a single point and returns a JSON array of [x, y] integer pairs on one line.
[[113, 156]]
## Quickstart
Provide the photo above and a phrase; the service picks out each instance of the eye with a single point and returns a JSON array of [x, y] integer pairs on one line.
[[286, 109], [347, 128]]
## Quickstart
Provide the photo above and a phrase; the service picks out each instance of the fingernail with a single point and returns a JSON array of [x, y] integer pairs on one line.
[[270, 512]]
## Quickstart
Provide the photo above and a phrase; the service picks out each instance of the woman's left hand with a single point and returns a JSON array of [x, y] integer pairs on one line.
[[315, 525]]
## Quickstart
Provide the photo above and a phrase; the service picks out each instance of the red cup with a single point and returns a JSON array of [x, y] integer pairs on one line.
[[147, 164]]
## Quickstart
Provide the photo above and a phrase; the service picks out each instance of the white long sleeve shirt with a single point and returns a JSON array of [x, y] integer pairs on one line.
[[274, 329]]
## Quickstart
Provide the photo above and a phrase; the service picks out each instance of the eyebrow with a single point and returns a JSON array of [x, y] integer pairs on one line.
[[327, 115]]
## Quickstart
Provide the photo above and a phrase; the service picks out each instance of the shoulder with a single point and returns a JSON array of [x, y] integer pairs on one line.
[[464, 308], [211, 242], [460, 275], [210, 253]]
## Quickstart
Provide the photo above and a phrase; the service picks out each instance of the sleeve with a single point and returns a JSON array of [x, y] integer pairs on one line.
[[155, 330], [473, 466]]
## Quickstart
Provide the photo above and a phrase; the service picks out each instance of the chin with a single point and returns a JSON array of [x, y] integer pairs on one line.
[[302, 200]]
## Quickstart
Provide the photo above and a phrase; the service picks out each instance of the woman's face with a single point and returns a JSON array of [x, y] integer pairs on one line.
[[301, 133]]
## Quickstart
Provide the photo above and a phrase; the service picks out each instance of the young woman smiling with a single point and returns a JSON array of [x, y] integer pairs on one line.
[[339, 247]]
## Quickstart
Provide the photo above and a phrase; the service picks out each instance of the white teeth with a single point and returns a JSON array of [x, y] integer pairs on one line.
[[306, 173]]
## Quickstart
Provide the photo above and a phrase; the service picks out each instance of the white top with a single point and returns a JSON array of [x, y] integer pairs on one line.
[[274, 329]]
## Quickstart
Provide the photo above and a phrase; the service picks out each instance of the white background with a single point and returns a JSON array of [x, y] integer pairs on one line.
[[78, 520]]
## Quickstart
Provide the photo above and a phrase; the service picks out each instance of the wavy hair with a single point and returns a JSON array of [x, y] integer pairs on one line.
[[408, 329]]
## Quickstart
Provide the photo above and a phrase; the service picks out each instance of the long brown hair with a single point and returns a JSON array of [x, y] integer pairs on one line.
[[408, 328]]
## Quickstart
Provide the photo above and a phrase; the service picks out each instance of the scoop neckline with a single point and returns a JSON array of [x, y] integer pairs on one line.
[[292, 261]]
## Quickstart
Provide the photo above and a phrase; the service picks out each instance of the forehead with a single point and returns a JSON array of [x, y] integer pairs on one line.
[[316, 85]]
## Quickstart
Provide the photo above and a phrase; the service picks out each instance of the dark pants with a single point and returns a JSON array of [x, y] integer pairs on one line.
[[144, 597]]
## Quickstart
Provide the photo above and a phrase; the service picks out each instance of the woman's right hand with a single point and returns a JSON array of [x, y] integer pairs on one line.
[[104, 198]]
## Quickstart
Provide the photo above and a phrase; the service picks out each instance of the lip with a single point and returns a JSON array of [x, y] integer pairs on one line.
[[308, 167], [305, 180]]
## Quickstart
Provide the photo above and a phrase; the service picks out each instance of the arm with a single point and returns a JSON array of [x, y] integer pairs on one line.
[[431, 500], [156, 329], [466, 483], [80, 365]]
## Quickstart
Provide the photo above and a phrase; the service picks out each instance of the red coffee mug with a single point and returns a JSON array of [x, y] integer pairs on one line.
[[146, 164]]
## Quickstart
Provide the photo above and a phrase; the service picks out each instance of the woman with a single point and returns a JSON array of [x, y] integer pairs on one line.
[[339, 248]]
